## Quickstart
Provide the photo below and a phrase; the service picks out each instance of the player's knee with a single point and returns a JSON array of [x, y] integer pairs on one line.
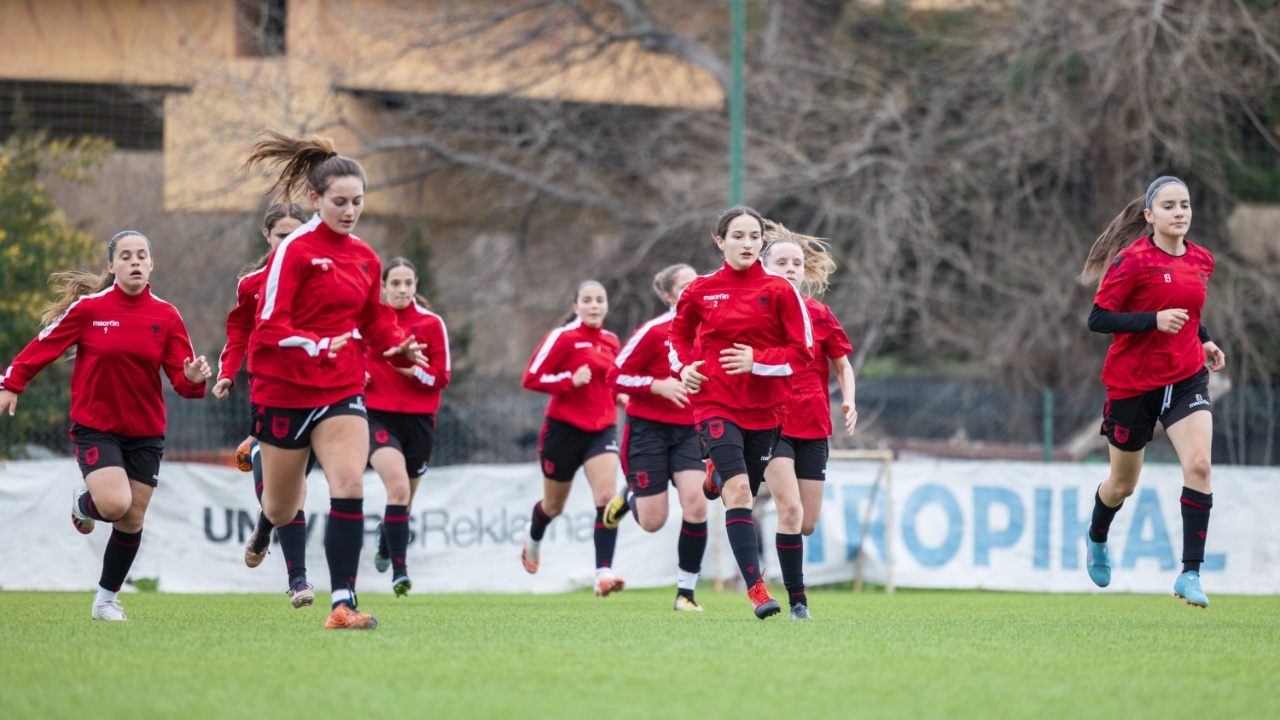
[[808, 525], [789, 515], [553, 508], [1197, 469], [737, 492], [111, 509]]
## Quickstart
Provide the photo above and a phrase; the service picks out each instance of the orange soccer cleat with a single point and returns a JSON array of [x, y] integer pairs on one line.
[[244, 455], [344, 618]]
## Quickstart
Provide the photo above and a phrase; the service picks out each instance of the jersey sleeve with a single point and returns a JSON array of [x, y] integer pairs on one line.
[[543, 373], [797, 328], [1117, 283], [629, 371], [177, 350], [275, 318], [684, 329], [52, 341], [239, 328], [436, 374], [836, 343], [377, 321]]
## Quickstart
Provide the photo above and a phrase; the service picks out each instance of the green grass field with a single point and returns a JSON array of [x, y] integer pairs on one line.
[[913, 654]]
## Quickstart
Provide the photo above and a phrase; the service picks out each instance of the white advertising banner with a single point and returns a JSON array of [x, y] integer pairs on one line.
[[995, 525]]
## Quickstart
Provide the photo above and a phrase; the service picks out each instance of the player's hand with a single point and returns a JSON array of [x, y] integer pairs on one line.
[[197, 371], [671, 389], [691, 378], [222, 389], [737, 360], [336, 344], [1171, 321], [410, 349], [1216, 358], [581, 376], [850, 416], [8, 401], [622, 399]]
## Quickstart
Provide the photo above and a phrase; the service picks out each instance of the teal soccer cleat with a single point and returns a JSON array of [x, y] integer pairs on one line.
[[1097, 561], [1187, 587]]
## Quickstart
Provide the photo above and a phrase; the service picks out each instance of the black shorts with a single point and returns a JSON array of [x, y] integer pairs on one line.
[[563, 448], [810, 456], [736, 451], [1130, 423], [654, 451], [412, 435], [291, 428], [139, 456]]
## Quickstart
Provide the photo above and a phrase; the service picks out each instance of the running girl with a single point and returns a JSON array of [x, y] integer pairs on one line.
[[322, 282], [280, 221], [749, 325], [800, 457], [402, 414], [659, 443], [124, 337], [1150, 299], [572, 365]]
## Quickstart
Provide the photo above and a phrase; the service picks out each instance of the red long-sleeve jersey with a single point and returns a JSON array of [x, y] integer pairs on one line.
[[122, 343], [551, 369], [391, 391], [751, 307], [1144, 278], [644, 359], [240, 324], [319, 285], [808, 414]]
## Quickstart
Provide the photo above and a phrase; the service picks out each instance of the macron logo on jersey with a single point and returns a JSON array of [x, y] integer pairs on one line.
[[324, 263], [721, 296], [104, 324], [582, 345]]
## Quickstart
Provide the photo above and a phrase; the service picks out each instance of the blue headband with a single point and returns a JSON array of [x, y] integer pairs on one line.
[[1159, 183]]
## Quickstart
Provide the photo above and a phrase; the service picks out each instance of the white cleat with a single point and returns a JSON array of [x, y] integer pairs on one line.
[[83, 523], [109, 610]]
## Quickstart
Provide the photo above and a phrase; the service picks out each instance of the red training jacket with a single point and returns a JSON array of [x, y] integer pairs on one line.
[[240, 324], [122, 342], [1144, 278], [644, 359], [808, 414], [753, 307], [319, 285], [391, 391], [563, 351]]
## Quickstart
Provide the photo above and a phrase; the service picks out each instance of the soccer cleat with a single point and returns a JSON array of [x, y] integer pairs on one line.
[[686, 604], [710, 488], [382, 558], [402, 585], [531, 559], [615, 511], [606, 585], [300, 592], [254, 558], [109, 610], [344, 618], [764, 605], [244, 455], [83, 523], [800, 611], [1187, 587], [1097, 561]]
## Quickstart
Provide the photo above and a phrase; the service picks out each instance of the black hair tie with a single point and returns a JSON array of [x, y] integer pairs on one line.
[[331, 155]]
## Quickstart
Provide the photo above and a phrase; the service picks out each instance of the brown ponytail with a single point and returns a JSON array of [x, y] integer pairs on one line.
[[403, 262], [309, 161], [1129, 225], [818, 263], [78, 283], [664, 281]]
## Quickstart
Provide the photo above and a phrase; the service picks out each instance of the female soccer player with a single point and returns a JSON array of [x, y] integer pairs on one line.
[[280, 221], [124, 338], [750, 326], [660, 444], [322, 283], [800, 457], [1150, 299], [402, 414], [572, 365]]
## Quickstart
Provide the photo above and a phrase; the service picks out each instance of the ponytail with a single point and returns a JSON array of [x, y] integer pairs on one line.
[[1129, 225], [309, 161], [818, 263], [76, 284]]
